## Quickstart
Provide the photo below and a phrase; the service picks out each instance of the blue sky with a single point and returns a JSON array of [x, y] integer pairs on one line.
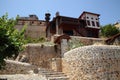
[[108, 9]]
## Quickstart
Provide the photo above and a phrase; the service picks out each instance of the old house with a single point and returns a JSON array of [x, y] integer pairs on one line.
[[87, 25], [35, 27], [117, 25]]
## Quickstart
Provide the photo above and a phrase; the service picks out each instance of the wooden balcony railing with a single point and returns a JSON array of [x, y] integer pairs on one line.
[[69, 20]]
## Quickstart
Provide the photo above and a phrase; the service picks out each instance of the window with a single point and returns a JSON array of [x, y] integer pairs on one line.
[[32, 22], [90, 33], [68, 32], [97, 23], [83, 17], [91, 18], [88, 22], [93, 24], [87, 17], [23, 23]]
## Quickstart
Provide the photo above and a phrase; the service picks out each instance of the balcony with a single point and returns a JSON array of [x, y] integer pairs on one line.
[[67, 20]]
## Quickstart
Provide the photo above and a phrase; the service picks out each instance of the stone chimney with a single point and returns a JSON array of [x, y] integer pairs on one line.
[[57, 14]]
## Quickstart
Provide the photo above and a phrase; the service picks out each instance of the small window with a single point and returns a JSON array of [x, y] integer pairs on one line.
[[87, 17], [97, 24], [68, 32], [32, 22], [88, 22], [93, 24], [83, 17], [96, 18], [92, 18], [23, 23]]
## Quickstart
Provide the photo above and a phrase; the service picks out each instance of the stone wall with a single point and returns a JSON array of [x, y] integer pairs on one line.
[[87, 40], [99, 62], [56, 64], [34, 31], [15, 67], [40, 55]]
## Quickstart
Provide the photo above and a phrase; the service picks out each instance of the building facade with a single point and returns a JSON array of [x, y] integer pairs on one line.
[[117, 25], [87, 25], [35, 28]]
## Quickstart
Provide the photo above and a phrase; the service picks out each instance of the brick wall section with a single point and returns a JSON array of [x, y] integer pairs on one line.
[[92, 63], [15, 67]]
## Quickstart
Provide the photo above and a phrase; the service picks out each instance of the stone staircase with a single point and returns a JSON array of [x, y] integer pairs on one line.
[[51, 75]]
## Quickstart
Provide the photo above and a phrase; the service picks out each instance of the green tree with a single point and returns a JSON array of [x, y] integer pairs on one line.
[[11, 40], [109, 30]]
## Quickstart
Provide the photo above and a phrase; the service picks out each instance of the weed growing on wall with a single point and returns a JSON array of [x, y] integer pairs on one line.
[[37, 40], [74, 43]]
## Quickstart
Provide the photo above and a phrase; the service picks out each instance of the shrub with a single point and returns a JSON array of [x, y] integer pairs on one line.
[[109, 30]]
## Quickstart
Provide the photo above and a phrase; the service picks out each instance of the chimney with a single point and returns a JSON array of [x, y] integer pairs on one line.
[[57, 14]]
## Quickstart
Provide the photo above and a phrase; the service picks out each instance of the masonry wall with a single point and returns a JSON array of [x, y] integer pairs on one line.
[[34, 31], [15, 67], [100, 62], [86, 40], [56, 64], [41, 55]]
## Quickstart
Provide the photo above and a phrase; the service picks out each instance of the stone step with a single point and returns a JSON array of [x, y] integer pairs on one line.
[[58, 78], [48, 74], [51, 75], [55, 76], [47, 71], [44, 69], [51, 72], [41, 70]]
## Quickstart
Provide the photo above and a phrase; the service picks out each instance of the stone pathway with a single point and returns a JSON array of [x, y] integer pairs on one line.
[[37, 74], [52, 75], [22, 77]]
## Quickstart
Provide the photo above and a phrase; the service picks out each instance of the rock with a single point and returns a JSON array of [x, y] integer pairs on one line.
[[24, 58], [36, 70]]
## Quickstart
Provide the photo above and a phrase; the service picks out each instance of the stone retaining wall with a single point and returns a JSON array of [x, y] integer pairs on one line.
[[15, 67], [33, 31], [56, 64], [40, 55], [87, 40], [92, 63]]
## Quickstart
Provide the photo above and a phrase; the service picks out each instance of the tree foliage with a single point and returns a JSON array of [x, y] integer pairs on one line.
[[11, 40], [109, 30]]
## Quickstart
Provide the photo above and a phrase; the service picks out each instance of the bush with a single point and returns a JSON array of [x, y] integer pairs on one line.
[[37, 40], [109, 30]]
